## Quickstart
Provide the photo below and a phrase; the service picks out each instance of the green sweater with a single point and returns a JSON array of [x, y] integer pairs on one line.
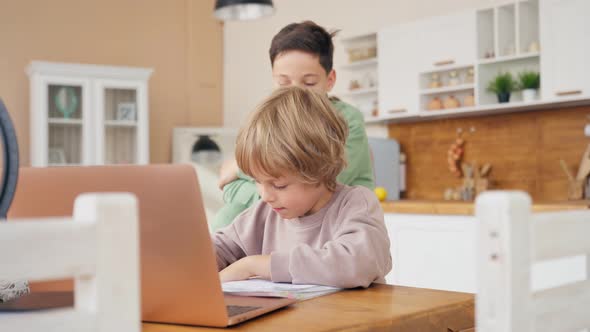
[[242, 193]]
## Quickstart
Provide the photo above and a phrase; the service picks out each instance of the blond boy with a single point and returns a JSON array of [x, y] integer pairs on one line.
[[307, 228]]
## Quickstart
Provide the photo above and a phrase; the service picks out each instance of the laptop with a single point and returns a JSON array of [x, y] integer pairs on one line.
[[179, 279]]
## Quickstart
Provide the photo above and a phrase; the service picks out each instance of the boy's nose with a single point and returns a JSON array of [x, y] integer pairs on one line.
[[266, 196]]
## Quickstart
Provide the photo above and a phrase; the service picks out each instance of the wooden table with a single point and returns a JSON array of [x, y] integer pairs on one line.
[[378, 308]]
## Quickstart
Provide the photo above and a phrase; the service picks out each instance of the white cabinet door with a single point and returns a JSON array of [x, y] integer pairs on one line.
[[431, 251], [565, 48], [446, 41], [440, 252], [398, 71], [121, 136]]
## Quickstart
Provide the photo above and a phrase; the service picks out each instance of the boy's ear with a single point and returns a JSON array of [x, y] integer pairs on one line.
[[331, 80]]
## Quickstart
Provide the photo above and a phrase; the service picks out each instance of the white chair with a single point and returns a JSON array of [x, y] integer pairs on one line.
[[510, 240], [99, 249]]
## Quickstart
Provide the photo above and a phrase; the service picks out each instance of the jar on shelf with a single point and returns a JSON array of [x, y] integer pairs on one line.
[[453, 78], [451, 102], [470, 76], [469, 100], [354, 85], [375, 110], [434, 104], [434, 81]]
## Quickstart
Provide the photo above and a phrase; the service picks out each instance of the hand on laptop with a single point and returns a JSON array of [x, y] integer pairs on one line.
[[247, 267]]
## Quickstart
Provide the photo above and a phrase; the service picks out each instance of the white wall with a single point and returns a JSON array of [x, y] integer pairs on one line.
[[247, 75]]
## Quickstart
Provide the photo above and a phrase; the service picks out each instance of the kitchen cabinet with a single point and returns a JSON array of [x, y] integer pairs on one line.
[[428, 45], [545, 36], [445, 41], [360, 73], [565, 49], [440, 252], [398, 81], [88, 114]]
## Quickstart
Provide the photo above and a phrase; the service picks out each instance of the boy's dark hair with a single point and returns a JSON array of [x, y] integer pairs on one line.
[[307, 37]]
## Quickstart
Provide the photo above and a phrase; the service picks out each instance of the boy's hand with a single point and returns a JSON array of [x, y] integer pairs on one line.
[[227, 173], [247, 267]]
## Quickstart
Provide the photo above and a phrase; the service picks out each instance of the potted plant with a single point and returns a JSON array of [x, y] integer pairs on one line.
[[502, 85], [529, 82]]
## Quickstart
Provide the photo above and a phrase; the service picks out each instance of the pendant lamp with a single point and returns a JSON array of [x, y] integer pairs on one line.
[[229, 10]]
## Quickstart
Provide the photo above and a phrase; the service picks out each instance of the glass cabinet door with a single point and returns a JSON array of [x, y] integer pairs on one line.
[[120, 125], [64, 124]]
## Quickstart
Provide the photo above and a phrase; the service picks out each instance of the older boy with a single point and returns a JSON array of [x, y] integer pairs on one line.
[[307, 228], [301, 55]]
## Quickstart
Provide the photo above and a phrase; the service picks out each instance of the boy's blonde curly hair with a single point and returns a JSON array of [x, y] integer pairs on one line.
[[295, 130]]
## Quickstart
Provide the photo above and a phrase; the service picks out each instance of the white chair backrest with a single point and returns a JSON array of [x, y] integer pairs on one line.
[[100, 249], [510, 240]]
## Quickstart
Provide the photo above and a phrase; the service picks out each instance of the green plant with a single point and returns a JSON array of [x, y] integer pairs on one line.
[[529, 79], [502, 83]]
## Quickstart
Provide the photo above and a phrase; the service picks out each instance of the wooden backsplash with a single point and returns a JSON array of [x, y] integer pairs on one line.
[[523, 148]]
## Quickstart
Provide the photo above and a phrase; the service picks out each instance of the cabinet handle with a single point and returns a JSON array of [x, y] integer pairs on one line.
[[568, 93], [396, 110], [444, 62]]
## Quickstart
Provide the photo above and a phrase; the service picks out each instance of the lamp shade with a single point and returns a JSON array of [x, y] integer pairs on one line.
[[228, 10]]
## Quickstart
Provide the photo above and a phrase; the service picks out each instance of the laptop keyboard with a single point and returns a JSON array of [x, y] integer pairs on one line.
[[233, 310]]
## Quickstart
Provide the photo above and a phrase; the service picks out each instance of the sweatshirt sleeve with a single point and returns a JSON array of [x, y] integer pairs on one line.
[[357, 255], [240, 239]]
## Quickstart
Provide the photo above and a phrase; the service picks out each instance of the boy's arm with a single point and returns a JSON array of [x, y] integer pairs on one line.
[[240, 239], [238, 195], [359, 170], [358, 254], [227, 246]]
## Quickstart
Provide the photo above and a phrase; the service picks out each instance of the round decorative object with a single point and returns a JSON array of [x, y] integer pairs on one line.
[[10, 157], [66, 101], [435, 104], [451, 102]]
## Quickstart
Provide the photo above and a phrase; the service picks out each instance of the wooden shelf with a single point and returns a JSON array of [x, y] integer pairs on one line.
[[120, 123], [446, 89], [62, 121], [507, 58]]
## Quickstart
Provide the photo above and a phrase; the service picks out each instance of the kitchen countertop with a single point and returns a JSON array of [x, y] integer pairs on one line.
[[468, 208]]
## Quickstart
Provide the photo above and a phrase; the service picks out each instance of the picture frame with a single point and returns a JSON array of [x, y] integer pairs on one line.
[[126, 112], [56, 156]]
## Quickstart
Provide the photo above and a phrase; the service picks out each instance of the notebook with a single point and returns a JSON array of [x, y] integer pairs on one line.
[[265, 288]]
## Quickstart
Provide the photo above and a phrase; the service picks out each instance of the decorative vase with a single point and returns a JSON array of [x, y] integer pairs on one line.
[[469, 100], [529, 95], [66, 101], [451, 102], [503, 97], [435, 104]]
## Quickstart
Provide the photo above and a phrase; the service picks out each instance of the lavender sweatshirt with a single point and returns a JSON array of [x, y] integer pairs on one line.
[[344, 244]]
